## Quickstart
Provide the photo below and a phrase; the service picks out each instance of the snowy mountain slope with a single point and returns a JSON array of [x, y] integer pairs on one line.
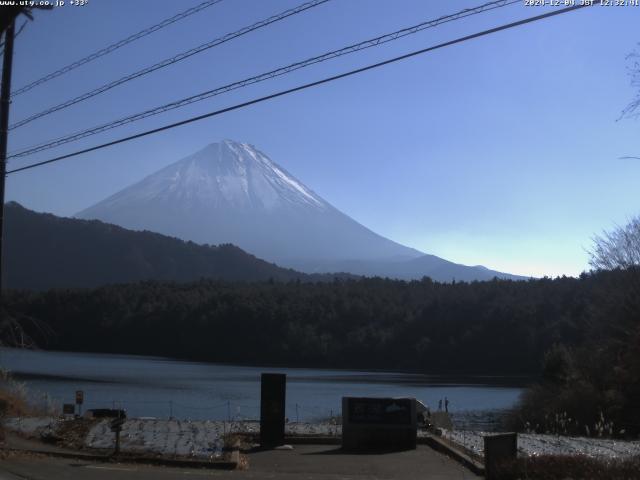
[[230, 192]]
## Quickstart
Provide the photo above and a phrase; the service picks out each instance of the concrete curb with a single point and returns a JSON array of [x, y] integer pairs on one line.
[[52, 453], [299, 439], [430, 440], [313, 440], [461, 457], [231, 464]]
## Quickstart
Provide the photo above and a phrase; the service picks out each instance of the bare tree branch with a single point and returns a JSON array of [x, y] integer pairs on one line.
[[619, 248], [13, 331], [633, 70]]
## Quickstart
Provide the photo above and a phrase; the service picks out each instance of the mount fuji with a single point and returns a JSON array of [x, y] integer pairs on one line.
[[231, 192]]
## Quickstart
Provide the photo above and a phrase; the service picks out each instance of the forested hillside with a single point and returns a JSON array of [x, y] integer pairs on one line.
[[45, 251]]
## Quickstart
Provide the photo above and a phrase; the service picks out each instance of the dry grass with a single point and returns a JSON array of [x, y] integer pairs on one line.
[[13, 405], [559, 467], [17, 401], [72, 433], [13, 400]]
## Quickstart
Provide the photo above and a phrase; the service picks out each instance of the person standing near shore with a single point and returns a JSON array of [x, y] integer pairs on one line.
[[446, 404]]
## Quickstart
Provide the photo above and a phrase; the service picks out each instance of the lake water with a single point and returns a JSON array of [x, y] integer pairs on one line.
[[161, 387]]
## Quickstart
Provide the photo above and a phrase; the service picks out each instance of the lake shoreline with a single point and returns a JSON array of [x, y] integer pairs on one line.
[[165, 388], [522, 380]]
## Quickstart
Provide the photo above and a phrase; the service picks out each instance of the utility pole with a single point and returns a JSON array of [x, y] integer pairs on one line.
[[5, 102]]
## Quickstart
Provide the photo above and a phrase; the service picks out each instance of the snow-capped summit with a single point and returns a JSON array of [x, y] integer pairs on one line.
[[237, 175], [222, 175]]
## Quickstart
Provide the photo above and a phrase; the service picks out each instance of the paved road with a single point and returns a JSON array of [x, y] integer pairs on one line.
[[308, 462]]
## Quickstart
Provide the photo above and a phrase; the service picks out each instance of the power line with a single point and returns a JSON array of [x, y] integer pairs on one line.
[[306, 86], [115, 46], [170, 61], [374, 42]]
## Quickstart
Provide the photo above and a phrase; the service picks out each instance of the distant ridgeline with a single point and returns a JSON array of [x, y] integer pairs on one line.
[[493, 327], [44, 251]]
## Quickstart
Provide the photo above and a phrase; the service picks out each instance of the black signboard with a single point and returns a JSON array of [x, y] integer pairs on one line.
[[379, 423], [380, 411], [272, 409], [68, 409], [499, 448]]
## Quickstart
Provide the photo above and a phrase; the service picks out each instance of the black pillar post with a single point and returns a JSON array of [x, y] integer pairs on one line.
[[272, 409]]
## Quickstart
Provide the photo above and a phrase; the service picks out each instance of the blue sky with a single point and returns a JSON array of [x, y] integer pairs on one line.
[[503, 151]]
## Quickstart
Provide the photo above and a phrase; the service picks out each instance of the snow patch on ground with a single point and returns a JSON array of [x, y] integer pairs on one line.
[[32, 426], [202, 439], [198, 438], [205, 439], [537, 444]]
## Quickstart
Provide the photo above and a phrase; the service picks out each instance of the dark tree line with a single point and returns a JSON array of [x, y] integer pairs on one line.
[[480, 327]]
